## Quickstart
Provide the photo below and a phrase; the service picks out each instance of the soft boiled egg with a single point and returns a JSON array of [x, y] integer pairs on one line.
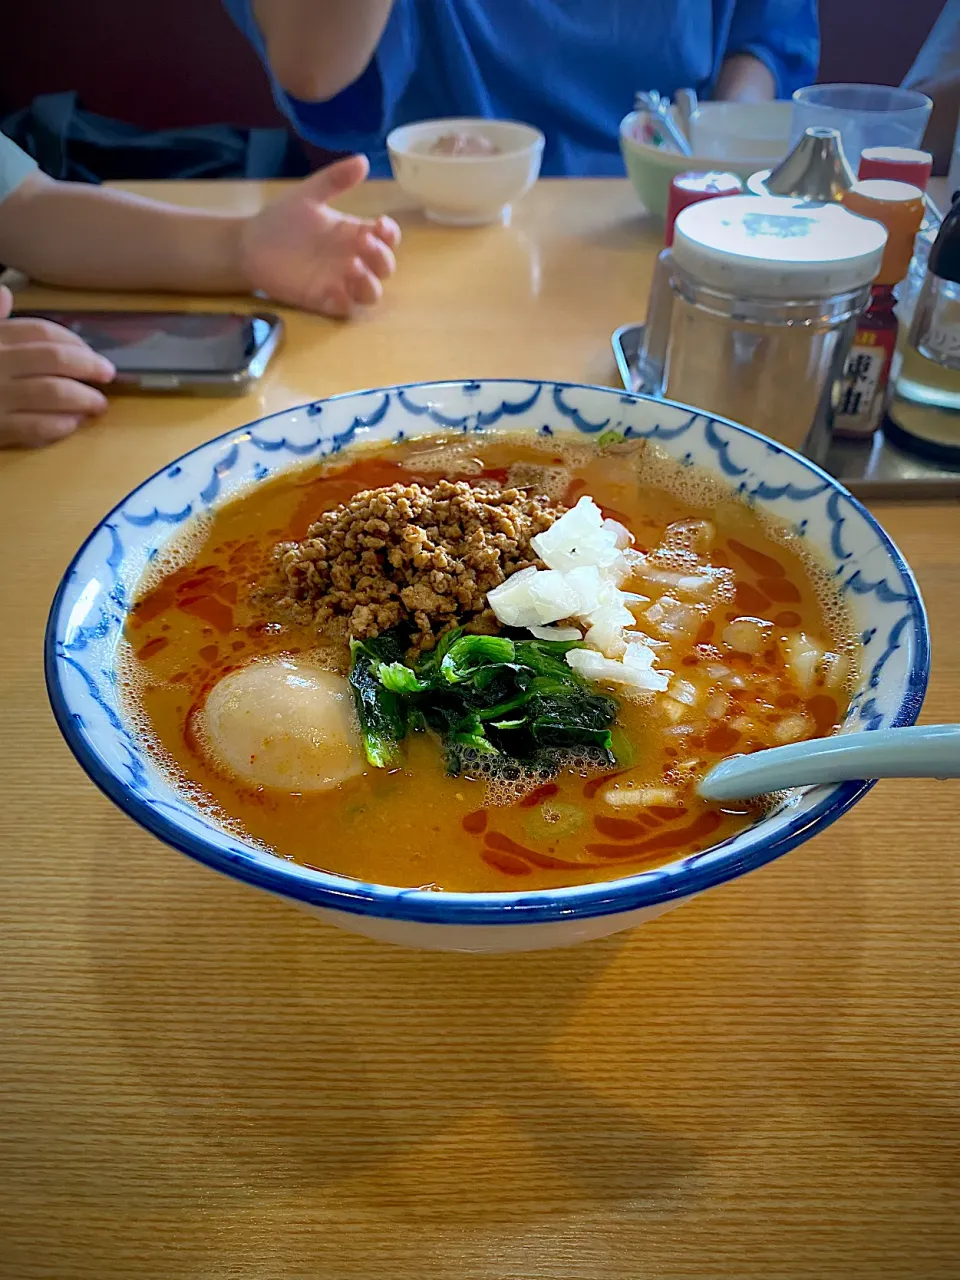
[[283, 723]]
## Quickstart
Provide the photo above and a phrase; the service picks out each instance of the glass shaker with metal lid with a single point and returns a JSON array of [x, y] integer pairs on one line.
[[767, 291], [925, 412]]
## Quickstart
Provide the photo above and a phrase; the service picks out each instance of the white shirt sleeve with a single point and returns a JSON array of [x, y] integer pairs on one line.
[[15, 166], [940, 55]]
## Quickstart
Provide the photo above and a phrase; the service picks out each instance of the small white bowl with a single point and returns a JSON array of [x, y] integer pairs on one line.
[[466, 191]]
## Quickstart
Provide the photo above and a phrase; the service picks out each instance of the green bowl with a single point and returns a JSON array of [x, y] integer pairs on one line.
[[652, 169]]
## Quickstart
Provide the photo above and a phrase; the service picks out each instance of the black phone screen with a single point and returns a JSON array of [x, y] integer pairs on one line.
[[187, 342]]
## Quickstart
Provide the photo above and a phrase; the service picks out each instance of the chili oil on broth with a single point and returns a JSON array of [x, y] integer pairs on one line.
[[196, 619]]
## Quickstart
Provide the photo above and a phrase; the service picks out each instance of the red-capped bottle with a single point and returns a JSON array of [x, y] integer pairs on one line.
[[690, 188], [898, 164]]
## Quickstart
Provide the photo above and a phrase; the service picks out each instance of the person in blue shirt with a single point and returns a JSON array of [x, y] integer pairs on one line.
[[346, 72], [936, 72]]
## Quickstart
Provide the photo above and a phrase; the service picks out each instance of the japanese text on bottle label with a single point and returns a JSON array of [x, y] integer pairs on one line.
[[860, 400]]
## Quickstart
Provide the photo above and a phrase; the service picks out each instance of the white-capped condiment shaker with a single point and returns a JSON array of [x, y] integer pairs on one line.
[[686, 189], [767, 291]]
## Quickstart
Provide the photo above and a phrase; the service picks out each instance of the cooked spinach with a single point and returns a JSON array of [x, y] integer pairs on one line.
[[380, 709], [485, 695]]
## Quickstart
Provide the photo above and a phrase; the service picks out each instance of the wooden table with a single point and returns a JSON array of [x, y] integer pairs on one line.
[[198, 1081]]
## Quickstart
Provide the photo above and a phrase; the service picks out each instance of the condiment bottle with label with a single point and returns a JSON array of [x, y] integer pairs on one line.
[[862, 392], [686, 189], [925, 412], [907, 164], [767, 292]]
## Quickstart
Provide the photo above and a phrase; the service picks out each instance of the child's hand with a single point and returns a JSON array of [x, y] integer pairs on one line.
[[43, 369], [299, 251]]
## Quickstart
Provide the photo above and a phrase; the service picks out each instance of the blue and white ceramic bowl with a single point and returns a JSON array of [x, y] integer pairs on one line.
[[87, 618]]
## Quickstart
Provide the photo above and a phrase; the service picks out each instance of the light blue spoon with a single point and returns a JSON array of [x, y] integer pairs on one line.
[[923, 751]]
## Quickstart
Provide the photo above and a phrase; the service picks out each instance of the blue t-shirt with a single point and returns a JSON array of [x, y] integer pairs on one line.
[[15, 166], [570, 67], [940, 54]]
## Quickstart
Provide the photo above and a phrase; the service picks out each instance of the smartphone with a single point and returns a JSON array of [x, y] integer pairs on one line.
[[199, 352]]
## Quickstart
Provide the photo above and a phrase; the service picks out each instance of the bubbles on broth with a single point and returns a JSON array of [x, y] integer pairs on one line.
[[552, 481], [510, 781], [177, 554], [451, 457], [131, 685]]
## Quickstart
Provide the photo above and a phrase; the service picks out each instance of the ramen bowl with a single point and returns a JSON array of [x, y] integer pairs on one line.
[[91, 605]]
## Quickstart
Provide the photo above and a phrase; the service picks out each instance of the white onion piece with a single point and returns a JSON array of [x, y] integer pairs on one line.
[[746, 635], [803, 657], [640, 797], [578, 538], [641, 657], [792, 729], [587, 558], [684, 692], [696, 586], [718, 706], [673, 619], [555, 633], [608, 638], [611, 609], [552, 596], [512, 602], [624, 538], [588, 585], [704, 586], [522, 575], [836, 668], [594, 666], [674, 711]]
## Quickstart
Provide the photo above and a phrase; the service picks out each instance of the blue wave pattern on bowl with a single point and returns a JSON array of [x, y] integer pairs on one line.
[[88, 612]]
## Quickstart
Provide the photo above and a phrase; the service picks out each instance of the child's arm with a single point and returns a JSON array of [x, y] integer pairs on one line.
[[297, 250], [80, 236]]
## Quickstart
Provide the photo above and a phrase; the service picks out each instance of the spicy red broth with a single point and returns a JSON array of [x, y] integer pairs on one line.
[[771, 661]]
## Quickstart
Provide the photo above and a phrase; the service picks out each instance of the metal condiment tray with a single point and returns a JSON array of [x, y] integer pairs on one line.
[[873, 469]]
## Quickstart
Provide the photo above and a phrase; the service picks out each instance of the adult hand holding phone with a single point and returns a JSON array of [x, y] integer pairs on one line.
[[44, 375]]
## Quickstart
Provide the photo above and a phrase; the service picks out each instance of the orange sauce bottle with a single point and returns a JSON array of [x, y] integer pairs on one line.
[[864, 389]]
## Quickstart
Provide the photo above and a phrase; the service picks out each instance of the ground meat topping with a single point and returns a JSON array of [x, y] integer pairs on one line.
[[407, 553]]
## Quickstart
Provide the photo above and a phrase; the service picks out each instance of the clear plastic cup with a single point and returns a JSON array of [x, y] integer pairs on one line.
[[867, 115]]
